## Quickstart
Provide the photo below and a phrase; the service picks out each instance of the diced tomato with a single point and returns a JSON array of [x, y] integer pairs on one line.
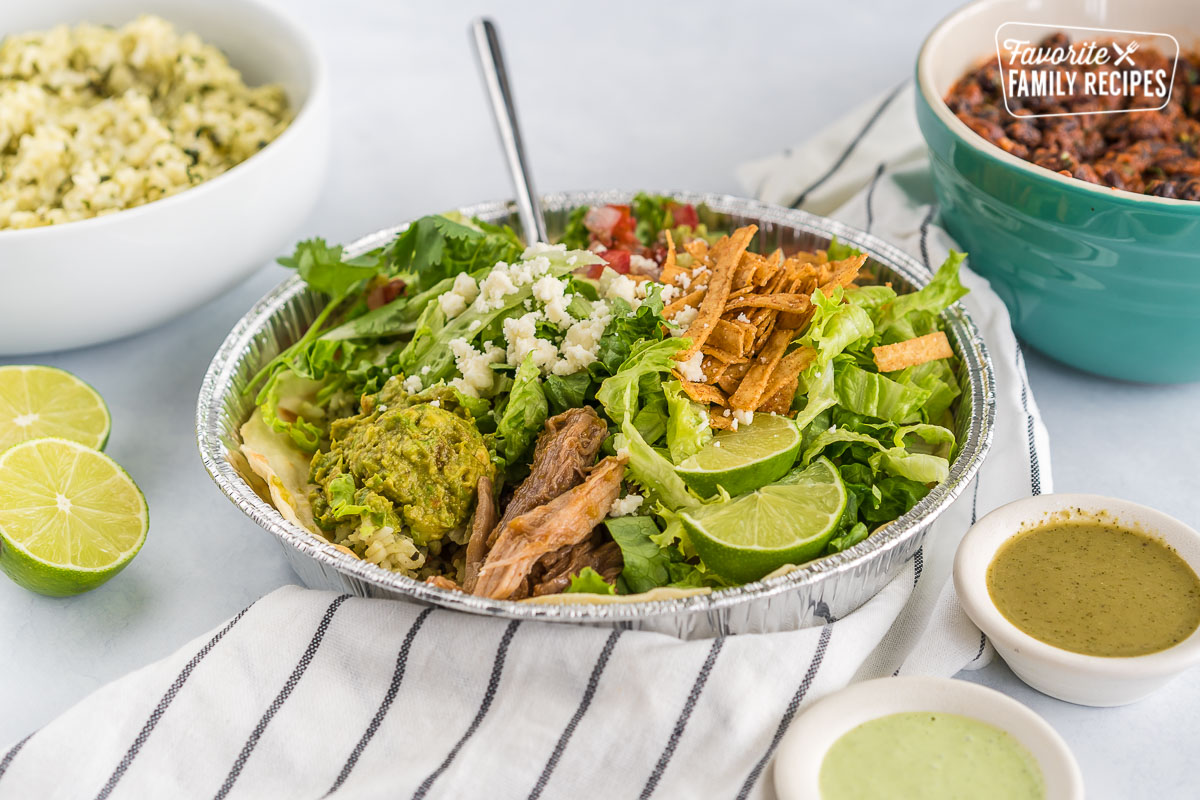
[[685, 214], [611, 225], [625, 231], [617, 259]]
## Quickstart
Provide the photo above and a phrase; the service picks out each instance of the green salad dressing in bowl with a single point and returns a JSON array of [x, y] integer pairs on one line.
[[924, 755], [1096, 588]]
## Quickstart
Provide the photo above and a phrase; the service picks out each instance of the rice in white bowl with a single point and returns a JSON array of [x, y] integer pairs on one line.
[[96, 119]]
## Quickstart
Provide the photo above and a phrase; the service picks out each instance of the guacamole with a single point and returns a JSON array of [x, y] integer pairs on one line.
[[410, 467]]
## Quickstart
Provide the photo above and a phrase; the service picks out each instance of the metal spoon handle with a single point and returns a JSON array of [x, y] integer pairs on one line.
[[491, 64]]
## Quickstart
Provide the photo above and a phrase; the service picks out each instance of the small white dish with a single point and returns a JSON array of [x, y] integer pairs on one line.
[[85, 282], [798, 762], [1074, 677]]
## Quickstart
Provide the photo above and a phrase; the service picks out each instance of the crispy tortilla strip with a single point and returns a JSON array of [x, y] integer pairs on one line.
[[789, 369], [805, 257], [735, 373], [698, 250], [670, 268], [712, 369], [781, 401], [704, 393], [727, 336], [745, 290], [724, 356], [747, 270], [272, 457], [750, 392], [840, 273], [767, 319], [910, 353], [692, 298], [797, 303], [718, 421], [732, 248]]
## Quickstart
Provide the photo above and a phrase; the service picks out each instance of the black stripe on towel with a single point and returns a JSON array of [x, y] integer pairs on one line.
[[982, 645], [681, 723], [280, 699], [488, 697], [925, 235], [871, 194], [163, 704], [887, 101], [12, 753], [588, 694], [393, 688], [1035, 469], [918, 565], [789, 713]]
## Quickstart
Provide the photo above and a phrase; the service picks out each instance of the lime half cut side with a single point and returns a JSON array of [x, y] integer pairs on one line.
[[70, 517], [787, 522], [37, 401], [742, 460]]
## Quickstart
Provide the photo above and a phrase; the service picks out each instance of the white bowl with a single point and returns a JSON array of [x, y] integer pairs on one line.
[[798, 763], [1074, 677], [79, 283]]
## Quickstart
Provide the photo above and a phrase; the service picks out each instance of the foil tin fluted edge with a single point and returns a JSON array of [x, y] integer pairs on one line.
[[817, 592]]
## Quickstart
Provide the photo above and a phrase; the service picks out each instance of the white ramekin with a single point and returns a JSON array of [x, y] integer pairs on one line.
[[1074, 677], [798, 762]]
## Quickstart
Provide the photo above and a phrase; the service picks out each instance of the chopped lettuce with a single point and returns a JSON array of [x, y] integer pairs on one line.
[[875, 395], [845, 541], [688, 428], [648, 564], [619, 393], [588, 581], [914, 314], [524, 413], [566, 391], [839, 250], [652, 472]]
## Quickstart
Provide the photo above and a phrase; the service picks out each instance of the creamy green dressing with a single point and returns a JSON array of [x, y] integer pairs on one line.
[[1095, 588], [926, 755]]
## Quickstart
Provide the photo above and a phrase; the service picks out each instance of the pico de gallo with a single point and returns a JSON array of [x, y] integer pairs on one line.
[[632, 239]]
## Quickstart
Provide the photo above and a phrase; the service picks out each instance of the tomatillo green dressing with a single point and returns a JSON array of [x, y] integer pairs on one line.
[[1095, 588], [926, 755]]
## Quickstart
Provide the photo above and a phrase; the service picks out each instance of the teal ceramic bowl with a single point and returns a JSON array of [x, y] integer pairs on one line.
[[1104, 280]]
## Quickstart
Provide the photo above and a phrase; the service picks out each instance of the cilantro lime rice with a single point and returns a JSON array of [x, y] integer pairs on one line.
[[96, 119]]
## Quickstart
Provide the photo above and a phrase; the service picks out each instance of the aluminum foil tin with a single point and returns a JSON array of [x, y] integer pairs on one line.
[[824, 589]]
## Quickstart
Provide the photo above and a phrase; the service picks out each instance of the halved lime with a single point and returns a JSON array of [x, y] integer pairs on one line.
[[745, 459], [787, 522], [37, 401], [70, 517]]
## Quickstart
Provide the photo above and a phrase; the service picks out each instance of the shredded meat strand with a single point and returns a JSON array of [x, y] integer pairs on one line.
[[564, 521], [560, 567], [564, 451], [481, 527]]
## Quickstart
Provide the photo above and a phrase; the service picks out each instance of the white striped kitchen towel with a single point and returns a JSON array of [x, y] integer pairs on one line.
[[308, 695]]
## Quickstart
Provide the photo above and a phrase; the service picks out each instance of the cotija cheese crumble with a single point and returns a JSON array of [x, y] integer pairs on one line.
[[96, 119]]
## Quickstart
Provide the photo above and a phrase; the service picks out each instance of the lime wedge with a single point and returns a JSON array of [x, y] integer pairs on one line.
[[787, 522], [742, 460], [37, 401], [70, 517]]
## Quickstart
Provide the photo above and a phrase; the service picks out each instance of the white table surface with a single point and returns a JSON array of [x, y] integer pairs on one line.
[[623, 94]]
